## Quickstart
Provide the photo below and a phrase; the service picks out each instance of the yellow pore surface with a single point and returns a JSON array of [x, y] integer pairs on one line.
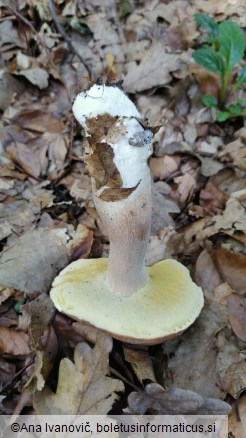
[[164, 307]]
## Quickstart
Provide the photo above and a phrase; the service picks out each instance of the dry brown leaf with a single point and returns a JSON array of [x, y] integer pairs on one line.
[[37, 76], [237, 315], [33, 261], [163, 167], [116, 194], [14, 217], [231, 364], [186, 186], [13, 342], [234, 9], [231, 221], [83, 386], [8, 87], [212, 199], [141, 363], [162, 207], [159, 246], [171, 402], [175, 401], [232, 268], [7, 373], [228, 182], [153, 70], [193, 362], [237, 428], [36, 317], [81, 243], [103, 29], [26, 157], [9, 34], [45, 356], [66, 334], [206, 274], [57, 148], [38, 120]]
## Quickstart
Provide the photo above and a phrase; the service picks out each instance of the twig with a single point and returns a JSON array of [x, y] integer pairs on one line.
[[29, 24], [61, 30], [117, 374]]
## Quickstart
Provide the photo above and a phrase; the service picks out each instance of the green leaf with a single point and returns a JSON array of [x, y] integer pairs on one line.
[[19, 303], [207, 23], [209, 59], [222, 116], [241, 78], [235, 110], [209, 101], [125, 8], [232, 43]]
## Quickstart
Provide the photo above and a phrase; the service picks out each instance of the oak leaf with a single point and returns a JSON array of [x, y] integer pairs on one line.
[[83, 385]]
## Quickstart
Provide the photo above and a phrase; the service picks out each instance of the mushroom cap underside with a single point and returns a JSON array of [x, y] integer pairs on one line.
[[167, 305]]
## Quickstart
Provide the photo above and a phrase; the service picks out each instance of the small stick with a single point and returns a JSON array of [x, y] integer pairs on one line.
[[29, 24], [61, 30]]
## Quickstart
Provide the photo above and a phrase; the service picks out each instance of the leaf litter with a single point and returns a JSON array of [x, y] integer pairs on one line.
[[47, 217]]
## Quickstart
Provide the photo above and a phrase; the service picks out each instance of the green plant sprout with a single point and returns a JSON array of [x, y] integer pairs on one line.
[[224, 46]]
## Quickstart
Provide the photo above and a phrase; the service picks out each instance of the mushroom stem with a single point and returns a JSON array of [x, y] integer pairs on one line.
[[117, 153], [127, 224]]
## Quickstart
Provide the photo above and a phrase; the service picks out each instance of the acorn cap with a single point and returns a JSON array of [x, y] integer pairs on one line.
[[167, 305]]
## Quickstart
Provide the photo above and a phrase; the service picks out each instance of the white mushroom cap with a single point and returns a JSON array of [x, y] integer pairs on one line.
[[100, 99], [168, 304]]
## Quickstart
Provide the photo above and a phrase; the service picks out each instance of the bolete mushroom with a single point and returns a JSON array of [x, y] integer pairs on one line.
[[120, 295]]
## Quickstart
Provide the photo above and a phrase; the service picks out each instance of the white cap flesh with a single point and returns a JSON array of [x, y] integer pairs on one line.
[[100, 99]]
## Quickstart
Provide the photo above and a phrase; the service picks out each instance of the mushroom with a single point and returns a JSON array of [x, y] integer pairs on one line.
[[119, 294]]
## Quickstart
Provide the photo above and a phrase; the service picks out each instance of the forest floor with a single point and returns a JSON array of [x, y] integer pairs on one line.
[[49, 51]]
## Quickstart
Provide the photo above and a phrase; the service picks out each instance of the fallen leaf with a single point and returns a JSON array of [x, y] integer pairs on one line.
[[37, 76], [38, 120], [229, 222], [140, 363], [192, 364], [83, 386], [9, 34], [8, 87], [13, 342], [212, 199], [159, 246], [14, 217], [25, 157], [7, 373], [175, 401], [45, 354], [232, 268], [35, 318], [237, 315], [237, 427], [206, 274], [153, 70], [232, 8], [103, 29], [210, 166], [57, 148], [80, 245], [162, 207], [33, 261], [162, 168], [230, 364], [186, 186]]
